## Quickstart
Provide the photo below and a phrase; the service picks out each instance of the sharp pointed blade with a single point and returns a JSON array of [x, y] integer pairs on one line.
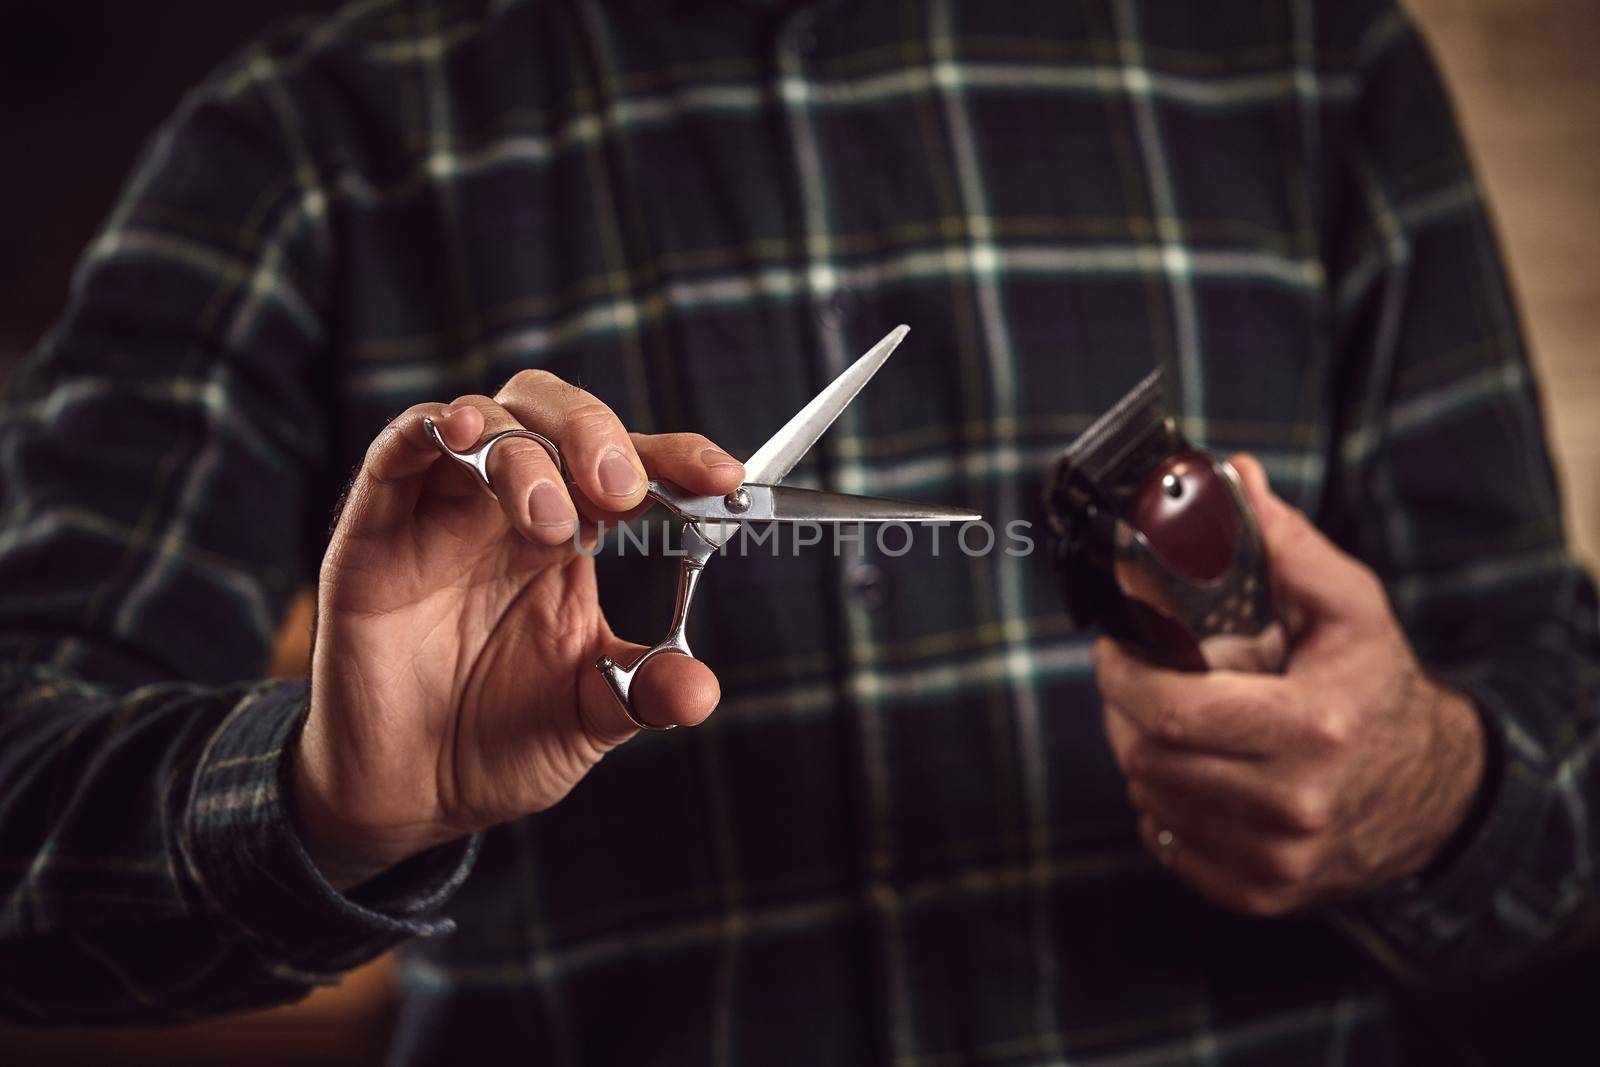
[[778, 456], [790, 504], [786, 503]]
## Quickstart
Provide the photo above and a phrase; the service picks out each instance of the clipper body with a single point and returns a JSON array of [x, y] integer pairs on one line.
[[1155, 542]]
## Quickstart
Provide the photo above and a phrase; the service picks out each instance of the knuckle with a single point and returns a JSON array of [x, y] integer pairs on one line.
[[523, 454], [393, 432], [527, 381], [382, 443], [1329, 728], [1369, 586], [1308, 811], [589, 416], [1169, 723]]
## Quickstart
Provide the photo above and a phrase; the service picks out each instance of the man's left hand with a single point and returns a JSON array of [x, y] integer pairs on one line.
[[1268, 793]]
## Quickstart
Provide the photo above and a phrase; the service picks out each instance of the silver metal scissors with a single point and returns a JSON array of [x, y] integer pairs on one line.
[[709, 521]]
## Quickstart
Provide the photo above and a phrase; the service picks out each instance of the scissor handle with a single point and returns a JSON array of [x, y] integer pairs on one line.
[[696, 551], [477, 459]]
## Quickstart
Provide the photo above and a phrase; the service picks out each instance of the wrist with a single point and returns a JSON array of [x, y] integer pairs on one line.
[[346, 853], [1460, 755]]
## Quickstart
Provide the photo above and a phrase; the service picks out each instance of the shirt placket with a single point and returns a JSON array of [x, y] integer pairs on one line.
[[827, 307]]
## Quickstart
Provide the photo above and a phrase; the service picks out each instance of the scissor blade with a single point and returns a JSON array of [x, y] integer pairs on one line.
[[792, 504], [775, 459], [784, 503]]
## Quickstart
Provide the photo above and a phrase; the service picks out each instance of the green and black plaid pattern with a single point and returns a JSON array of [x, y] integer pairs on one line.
[[902, 838]]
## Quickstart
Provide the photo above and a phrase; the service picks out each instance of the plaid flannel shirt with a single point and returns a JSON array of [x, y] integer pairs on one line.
[[902, 838]]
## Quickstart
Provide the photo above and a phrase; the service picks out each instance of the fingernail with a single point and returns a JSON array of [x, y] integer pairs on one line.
[[617, 476], [446, 413], [715, 457], [548, 507]]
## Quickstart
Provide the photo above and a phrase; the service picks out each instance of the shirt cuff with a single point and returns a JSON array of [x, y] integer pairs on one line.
[[244, 851], [1426, 921]]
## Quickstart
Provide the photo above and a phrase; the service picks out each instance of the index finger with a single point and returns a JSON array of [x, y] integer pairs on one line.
[[597, 448], [1216, 711], [380, 499]]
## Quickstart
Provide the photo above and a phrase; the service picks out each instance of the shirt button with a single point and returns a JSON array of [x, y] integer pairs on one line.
[[835, 311], [868, 586]]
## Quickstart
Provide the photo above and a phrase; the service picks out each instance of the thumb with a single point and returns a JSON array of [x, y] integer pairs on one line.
[[1314, 575], [669, 690]]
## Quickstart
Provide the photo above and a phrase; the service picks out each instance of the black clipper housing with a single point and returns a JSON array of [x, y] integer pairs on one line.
[[1155, 543]]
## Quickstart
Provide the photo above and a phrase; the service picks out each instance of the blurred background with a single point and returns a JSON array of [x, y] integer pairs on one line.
[[86, 82]]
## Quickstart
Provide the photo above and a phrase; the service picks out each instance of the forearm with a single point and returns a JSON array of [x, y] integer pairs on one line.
[[1452, 788], [1442, 483], [1518, 879], [153, 872]]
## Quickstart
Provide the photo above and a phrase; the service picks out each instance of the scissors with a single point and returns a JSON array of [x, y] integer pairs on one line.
[[710, 521]]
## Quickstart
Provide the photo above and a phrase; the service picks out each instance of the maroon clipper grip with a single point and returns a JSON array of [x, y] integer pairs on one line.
[[1185, 511], [1155, 543]]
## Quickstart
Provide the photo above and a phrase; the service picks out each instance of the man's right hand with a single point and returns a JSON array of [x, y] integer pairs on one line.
[[453, 684]]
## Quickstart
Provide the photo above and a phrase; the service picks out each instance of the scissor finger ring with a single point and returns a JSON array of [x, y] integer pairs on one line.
[[477, 460]]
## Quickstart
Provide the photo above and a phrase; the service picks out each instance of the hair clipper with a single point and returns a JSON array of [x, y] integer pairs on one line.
[[1156, 544]]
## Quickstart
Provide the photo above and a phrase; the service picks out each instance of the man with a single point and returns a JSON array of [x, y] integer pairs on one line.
[[903, 836]]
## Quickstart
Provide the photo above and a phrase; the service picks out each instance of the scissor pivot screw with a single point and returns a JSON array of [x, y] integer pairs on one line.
[[738, 501]]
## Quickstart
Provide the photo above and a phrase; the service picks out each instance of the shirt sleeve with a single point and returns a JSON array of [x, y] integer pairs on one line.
[[1440, 479], [162, 494]]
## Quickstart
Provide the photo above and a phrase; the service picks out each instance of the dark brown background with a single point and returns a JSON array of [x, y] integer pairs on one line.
[[83, 83]]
